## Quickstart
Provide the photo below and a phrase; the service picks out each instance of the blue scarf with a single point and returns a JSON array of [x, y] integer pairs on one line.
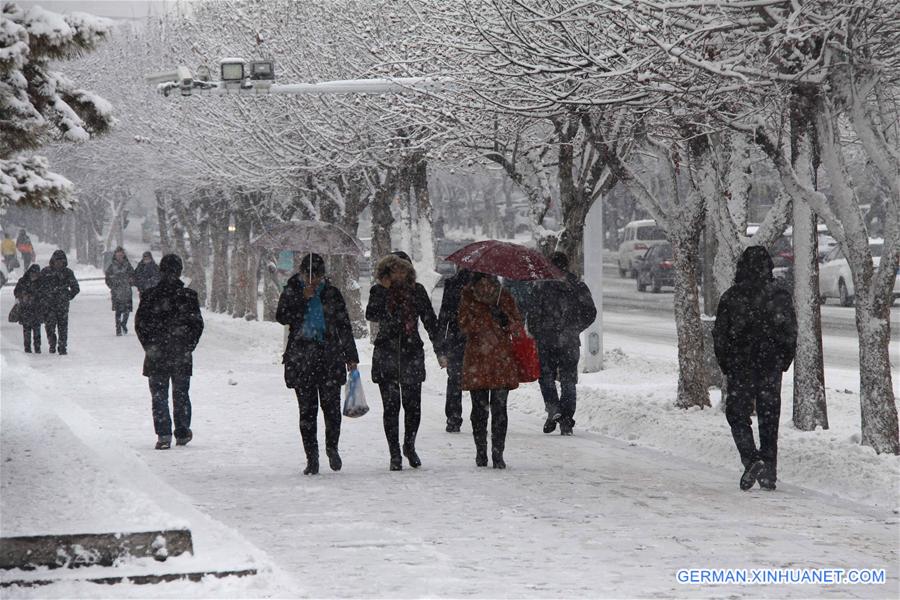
[[314, 319]]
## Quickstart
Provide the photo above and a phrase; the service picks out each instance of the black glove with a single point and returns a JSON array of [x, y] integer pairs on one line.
[[499, 316]]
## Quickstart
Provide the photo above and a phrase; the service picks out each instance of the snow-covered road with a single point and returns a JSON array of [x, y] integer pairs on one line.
[[586, 516]]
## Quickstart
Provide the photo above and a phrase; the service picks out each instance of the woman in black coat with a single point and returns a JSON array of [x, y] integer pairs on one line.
[[27, 293], [320, 352], [119, 279], [397, 303]]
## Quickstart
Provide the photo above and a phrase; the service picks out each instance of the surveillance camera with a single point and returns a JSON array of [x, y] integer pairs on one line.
[[184, 79]]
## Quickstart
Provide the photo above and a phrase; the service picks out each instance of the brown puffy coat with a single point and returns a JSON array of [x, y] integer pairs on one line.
[[488, 362]]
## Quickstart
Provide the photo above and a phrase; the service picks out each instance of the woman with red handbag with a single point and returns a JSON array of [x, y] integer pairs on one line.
[[488, 317]]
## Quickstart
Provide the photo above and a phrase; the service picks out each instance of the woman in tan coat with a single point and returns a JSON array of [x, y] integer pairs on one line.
[[487, 316]]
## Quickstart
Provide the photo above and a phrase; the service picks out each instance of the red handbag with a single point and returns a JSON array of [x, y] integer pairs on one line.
[[526, 355]]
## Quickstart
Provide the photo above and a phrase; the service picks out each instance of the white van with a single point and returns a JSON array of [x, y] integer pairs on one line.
[[639, 237]]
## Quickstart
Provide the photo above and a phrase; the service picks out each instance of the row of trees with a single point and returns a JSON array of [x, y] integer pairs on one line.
[[693, 109]]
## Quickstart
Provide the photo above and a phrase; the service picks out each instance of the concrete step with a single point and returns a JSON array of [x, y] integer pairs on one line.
[[139, 579], [90, 549]]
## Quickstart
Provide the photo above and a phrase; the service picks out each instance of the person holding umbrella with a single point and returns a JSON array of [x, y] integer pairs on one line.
[[487, 317], [397, 303], [492, 324], [320, 351]]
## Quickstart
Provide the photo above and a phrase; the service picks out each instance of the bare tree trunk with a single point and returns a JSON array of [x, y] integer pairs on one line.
[[426, 265], [809, 410], [271, 286], [162, 214], [219, 294], [240, 272], [382, 220], [692, 380]]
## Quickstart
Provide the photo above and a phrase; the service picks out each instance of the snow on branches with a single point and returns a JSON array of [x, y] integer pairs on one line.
[[38, 105]]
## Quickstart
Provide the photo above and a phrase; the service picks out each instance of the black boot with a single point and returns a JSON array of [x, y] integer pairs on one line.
[[334, 459], [312, 466], [751, 473], [396, 460], [481, 456], [497, 458]]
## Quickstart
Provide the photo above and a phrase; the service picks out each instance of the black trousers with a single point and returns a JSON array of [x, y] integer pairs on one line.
[[181, 401], [559, 362], [409, 396], [746, 389], [453, 404], [495, 402], [309, 397], [29, 331], [122, 320], [57, 325]]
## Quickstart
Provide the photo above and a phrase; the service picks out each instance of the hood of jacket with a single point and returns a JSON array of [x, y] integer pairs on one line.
[[754, 266], [34, 269], [57, 256]]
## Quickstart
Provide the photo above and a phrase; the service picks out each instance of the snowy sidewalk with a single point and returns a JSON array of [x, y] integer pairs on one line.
[[586, 516]]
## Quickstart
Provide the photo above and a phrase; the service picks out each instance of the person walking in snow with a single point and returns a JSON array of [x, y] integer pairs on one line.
[[27, 293], [319, 354], [397, 303], [119, 279], [559, 310], [487, 316], [25, 248], [451, 346], [168, 324], [146, 273], [8, 249], [58, 287], [755, 337]]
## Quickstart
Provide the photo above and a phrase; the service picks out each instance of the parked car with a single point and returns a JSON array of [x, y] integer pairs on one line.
[[835, 279], [783, 253], [639, 237], [655, 269]]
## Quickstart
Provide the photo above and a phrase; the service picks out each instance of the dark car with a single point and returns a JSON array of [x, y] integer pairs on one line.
[[445, 247], [655, 268]]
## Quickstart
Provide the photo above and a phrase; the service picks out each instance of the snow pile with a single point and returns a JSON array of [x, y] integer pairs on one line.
[[632, 400]]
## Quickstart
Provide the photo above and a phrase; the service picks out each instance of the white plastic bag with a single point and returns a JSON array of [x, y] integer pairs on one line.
[[354, 396]]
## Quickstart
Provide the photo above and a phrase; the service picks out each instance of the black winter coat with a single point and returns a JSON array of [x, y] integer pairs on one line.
[[450, 338], [58, 283], [119, 279], [309, 362], [398, 356], [27, 292], [559, 310], [169, 325], [146, 276], [756, 326]]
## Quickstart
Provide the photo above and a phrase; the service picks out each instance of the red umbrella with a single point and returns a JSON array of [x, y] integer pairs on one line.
[[504, 259]]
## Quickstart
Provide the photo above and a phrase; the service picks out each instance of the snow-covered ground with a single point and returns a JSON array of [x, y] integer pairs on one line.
[[639, 492]]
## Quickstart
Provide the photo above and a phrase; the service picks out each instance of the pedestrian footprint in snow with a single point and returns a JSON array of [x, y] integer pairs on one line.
[[755, 336], [397, 303], [31, 304], [57, 289], [168, 324], [320, 351], [451, 346], [119, 279], [559, 310], [487, 316]]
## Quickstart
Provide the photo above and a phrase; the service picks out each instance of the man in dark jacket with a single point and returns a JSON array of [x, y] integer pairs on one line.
[[146, 273], [58, 288], [169, 324], [559, 310], [320, 352], [755, 337], [452, 346]]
